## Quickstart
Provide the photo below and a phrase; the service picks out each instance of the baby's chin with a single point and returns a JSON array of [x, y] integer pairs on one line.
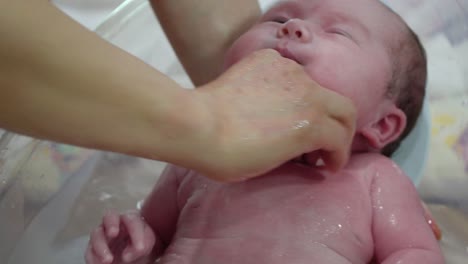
[[226, 65], [228, 62], [233, 56]]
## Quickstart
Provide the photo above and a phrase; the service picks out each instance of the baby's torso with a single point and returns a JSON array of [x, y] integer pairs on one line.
[[293, 214]]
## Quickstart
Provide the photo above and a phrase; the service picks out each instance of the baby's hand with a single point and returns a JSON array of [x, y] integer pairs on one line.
[[124, 238]]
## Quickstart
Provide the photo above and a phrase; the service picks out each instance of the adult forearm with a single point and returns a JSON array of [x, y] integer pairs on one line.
[[201, 31], [61, 82]]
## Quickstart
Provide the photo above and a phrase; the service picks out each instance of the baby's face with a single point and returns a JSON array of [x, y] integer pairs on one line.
[[342, 45]]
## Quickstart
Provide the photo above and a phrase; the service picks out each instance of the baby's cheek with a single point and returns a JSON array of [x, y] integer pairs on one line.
[[231, 57], [342, 81], [242, 47], [328, 76]]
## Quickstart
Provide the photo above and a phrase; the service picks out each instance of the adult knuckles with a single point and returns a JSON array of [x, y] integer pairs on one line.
[[309, 135], [349, 113], [343, 111]]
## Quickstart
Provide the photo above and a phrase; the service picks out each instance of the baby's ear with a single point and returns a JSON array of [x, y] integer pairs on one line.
[[385, 130]]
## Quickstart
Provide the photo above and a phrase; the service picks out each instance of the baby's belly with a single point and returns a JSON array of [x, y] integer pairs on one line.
[[288, 216], [250, 250]]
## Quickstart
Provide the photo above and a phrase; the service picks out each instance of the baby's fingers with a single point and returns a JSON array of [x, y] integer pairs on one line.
[[91, 257], [111, 223], [135, 226], [141, 232], [98, 247]]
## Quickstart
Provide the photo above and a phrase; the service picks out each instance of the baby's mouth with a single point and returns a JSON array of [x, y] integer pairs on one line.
[[284, 52]]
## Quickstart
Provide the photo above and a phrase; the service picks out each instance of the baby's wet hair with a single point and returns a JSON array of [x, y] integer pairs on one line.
[[408, 82]]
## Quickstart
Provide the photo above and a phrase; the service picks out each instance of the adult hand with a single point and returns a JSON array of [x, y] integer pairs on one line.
[[267, 111]]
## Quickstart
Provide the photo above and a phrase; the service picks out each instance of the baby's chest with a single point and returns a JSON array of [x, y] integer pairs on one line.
[[289, 204], [287, 211]]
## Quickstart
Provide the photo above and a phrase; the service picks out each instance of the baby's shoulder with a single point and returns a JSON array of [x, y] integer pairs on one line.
[[381, 171], [375, 164], [371, 160]]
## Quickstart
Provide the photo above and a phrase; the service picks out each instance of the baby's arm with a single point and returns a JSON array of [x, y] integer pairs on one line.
[[138, 237], [401, 233], [161, 209]]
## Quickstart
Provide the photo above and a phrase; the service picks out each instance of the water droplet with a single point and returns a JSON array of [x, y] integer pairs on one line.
[[247, 138], [301, 124], [139, 204], [397, 168], [393, 220], [465, 102], [104, 196], [379, 190], [340, 226]]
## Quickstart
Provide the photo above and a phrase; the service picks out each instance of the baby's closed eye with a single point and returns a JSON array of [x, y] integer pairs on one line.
[[342, 33], [339, 31], [279, 19]]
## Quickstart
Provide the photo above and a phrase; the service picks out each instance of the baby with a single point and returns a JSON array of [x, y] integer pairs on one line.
[[367, 212]]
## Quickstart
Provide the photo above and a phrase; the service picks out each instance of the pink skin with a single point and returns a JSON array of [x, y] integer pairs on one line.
[[343, 45], [296, 214], [123, 238]]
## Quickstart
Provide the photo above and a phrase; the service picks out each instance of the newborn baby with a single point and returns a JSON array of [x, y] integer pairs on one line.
[[367, 212]]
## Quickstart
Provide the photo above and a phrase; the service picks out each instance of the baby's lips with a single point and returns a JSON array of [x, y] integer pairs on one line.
[[284, 51]]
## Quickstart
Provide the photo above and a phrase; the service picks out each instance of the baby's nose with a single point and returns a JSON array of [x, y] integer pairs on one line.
[[294, 29]]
